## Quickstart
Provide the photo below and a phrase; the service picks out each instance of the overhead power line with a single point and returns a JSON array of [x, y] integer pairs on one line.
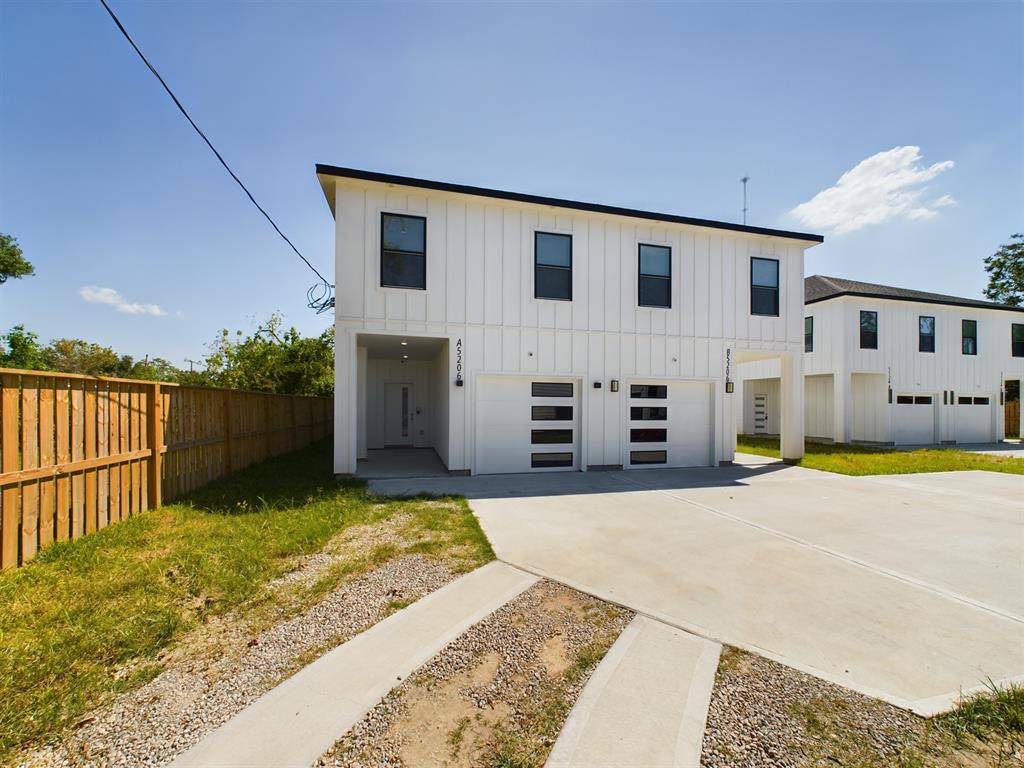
[[319, 296]]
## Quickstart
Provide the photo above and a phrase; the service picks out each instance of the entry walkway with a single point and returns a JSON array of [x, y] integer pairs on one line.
[[299, 720], [401, 462]]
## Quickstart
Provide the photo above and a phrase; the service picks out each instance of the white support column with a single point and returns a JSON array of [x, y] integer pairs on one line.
[[345, 405], [361, 368], [791, 440], [841, 406]]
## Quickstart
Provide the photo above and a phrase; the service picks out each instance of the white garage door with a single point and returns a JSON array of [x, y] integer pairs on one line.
[[527, 424], [973, 420], [914, 420], [669, 424]]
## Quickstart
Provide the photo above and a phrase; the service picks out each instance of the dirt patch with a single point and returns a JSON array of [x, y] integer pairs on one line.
[[766, 715], [497, 695]]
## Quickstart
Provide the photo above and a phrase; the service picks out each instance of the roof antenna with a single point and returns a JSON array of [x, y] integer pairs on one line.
[[745, 179]]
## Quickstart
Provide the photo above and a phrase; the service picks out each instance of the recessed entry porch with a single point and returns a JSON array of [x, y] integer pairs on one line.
[[402, 406]]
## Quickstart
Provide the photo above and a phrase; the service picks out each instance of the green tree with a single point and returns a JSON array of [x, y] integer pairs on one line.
[[12, 262], [1006, 273], [21, 349], [272, 360], [79, 356]]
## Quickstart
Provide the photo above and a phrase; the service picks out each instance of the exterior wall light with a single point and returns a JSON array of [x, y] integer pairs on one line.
[[615, 385], [730, 387]]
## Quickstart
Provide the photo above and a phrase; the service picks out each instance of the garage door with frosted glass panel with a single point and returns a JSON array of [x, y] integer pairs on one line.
[[973, 419], [526, 424], [669, 424], [914, 420]]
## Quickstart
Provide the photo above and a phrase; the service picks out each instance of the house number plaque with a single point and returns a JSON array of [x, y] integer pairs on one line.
[[458, 363]]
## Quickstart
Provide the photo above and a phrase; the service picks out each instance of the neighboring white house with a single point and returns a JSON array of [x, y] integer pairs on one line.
[[896, 366], [512, 332]]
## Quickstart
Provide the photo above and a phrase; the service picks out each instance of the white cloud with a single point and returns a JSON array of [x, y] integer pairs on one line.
[[885, 186], [96, 295]]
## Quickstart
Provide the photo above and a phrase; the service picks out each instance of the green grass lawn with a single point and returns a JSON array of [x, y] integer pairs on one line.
[[866, 460], [82, 611]]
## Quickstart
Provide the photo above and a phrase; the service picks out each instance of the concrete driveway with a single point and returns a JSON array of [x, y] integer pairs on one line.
[[909, 588]]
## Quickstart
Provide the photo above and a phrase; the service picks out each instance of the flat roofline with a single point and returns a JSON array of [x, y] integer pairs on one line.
[[464, 189], [950, 302]]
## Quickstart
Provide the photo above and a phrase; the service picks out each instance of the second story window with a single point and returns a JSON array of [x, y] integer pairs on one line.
[[403, 251], [925, 334], [552, 271], [868, 329], [1017, 339], [969, 330], [808, 334], [764, 287], [655, 286]]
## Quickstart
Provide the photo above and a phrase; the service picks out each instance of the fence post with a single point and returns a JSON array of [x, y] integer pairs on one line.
[[227, 432], [156, 444]]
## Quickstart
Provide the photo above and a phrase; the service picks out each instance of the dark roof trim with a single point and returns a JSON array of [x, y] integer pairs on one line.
[[443, 186], [945, 302]]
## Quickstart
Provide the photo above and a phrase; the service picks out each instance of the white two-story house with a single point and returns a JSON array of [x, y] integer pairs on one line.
[[898, 366], [514, 333]]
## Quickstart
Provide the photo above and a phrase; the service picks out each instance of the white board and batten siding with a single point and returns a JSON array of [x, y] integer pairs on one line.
[[861, 406], [479, 289]]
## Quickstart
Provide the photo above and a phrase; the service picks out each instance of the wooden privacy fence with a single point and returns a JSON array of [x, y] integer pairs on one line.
[[79, 453]]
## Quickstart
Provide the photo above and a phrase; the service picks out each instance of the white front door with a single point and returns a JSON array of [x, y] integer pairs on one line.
[[398, 418]]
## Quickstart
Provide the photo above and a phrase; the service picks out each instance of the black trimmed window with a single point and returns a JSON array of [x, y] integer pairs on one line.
[[551, 413], [552, 266], [654, 287], [403, 251], [543, 460], [965, 401], [648, 457], [923, 400], [904, 399], [925, 333], [648, 413], [808, 334], [647, 435], [1017, 339], [981, 401], [868, 329], [550, 436], [969, 337], [655, 391], [764, 287]]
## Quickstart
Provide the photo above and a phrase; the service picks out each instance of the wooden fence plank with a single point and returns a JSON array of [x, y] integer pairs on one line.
[[11, 496], [62, 417], [29, 460], [89, 412], [47, 458], [77, 454], [103, 474]]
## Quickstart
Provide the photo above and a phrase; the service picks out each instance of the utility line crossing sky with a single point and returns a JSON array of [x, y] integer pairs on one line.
[[896, 130]]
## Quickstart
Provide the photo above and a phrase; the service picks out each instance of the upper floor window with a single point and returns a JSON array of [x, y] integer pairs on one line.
[[403, 251], [868, 329], [655, 286], [925, 334], [808, 334], [969, 331], [1017, 339], [552, 271], [764, 287]]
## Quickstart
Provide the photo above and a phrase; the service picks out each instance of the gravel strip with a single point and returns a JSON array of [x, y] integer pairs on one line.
[[198, 691], [447, 712], [766, 715]]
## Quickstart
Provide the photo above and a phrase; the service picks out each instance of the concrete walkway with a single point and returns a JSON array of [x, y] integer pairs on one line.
[[296, 722], [645, 705]]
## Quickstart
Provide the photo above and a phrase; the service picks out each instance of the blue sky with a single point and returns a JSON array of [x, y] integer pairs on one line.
[[662, 107]]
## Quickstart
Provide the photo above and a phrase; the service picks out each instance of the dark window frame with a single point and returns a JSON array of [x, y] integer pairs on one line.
[[561, 388], [922, 336], [964, 337], [641, 416], [538, 266], [647, 391], [1016, 346], [641, 275], [860, 326], [637, 433], [661, 454], [383, 250], [559, 433], [548, 460], [809, 336], [775, 288], [556, 409]]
